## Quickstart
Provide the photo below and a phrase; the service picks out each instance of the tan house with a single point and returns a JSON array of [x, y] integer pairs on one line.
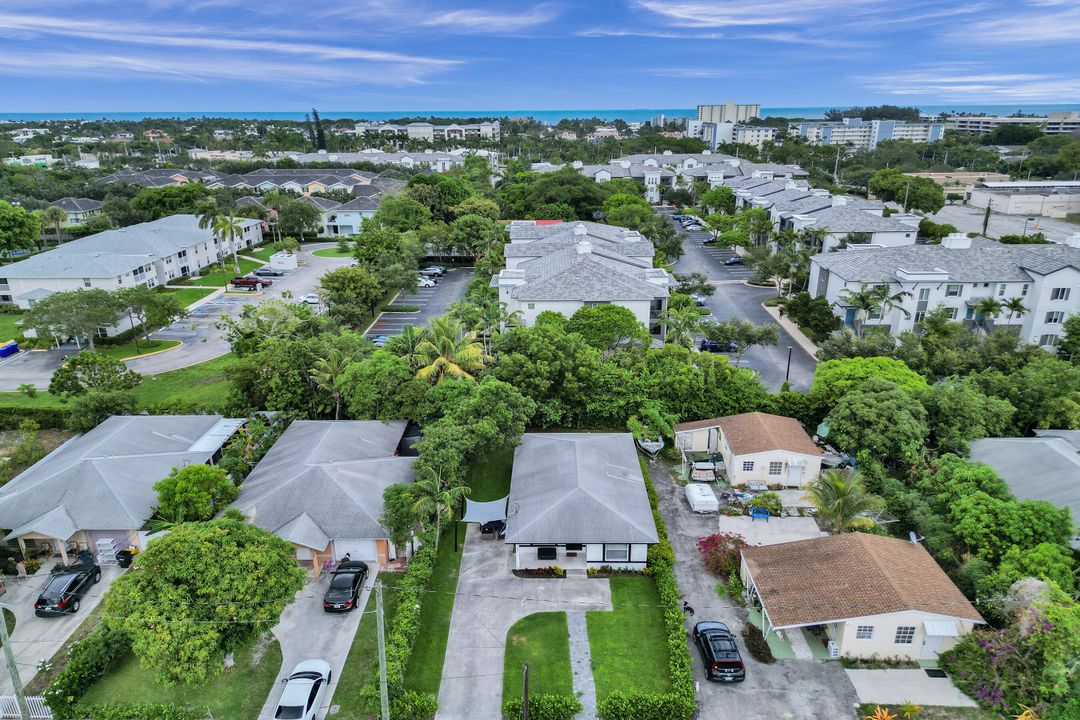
[[866, 595], [321, 488], [758, 449]]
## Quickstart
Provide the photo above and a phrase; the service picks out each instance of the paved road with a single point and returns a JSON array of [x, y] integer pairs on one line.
[[733, 299], [432, 302], [32, 368], [306, 632], [793, 689], [969, 219], [202, 341], [35, 639]]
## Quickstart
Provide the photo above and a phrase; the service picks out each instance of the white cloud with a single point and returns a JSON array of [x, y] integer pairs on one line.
[[973, 83], [738, 13], [688, 73], [1027, 27], [404, 16], [485, 21]]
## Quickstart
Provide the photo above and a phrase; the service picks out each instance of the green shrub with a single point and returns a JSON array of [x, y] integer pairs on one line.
[[88, 660], [28, 389], [412, 705], [146, 711], [756, 645], [393, 307], [770, 501], [47, 417], [545, 707]]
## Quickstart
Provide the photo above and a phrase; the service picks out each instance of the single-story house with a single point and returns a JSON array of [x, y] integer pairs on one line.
[[757, 448], [1046, 467], [100, 486], [321, 488], [578, 500], [871, 595], [78, 209]]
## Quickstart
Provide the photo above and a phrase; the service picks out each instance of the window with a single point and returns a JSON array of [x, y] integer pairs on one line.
[[905, 635], [1001, 289], [617, 553], [748, 466], [864, 632], [919, 315], [532, 306], [924, 294], [776, 468], [952, 313], [1023, 290], [953, 290], [1054, 317], [970, 313], [1059, 294], [545, 553], [1048, 340], [86, 282]]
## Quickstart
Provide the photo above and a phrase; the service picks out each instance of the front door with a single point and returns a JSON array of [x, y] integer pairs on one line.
[[931, 647], [382, 551]]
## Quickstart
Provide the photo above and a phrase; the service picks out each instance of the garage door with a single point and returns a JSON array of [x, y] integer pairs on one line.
[[357, 549]]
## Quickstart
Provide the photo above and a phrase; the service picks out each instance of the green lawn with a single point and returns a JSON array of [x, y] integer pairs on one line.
[[218, 278], [629, 644], [237, 694], [363, 659], [130, 349], [332, 253], [424, 673], [489, 476], [8, 328], [189, 295], [202, 383], [18, 400], [262, 253], [543, 641]]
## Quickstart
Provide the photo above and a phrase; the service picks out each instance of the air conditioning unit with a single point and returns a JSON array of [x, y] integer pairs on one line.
[[834, 649]]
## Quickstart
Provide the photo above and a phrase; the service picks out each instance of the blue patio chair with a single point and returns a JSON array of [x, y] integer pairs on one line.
[[757, 513]]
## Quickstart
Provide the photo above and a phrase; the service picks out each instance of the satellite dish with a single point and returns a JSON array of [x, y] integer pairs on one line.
[[914, 538]]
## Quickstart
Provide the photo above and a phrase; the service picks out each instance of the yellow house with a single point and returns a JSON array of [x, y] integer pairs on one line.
[[864, 595]]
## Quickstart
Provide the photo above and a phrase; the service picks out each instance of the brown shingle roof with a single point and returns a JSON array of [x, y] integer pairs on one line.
[[758, 432], [851, 575]]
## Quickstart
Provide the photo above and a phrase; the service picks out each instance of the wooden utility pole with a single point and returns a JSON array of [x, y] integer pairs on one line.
[[384, 698], [525, 694], [13, 670]]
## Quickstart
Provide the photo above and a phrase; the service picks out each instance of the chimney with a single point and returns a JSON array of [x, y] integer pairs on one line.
[[840, 200], [580, 229], [819, 192], [583, 247], [956, 241], [1073, 240]]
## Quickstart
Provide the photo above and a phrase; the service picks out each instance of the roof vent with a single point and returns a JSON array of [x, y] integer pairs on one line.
[[956, 241], [580, 229], [583, 247]]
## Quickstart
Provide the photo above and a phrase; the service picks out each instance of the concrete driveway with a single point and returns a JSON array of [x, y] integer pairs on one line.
[[894, 687], [307, 632], [489, 600], [775, 530], [793, 689], [202, 341], [36, 639], [432, 302], [734, 299]]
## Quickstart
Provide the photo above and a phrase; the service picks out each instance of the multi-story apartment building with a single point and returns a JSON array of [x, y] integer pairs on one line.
[[866, 134], [562, 267], [151, 254], [956, 275], [45, 160], [1055, 123], [729, 112], [430, 132]]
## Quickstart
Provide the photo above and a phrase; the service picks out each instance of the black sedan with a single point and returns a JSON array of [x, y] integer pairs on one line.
[[714, 346], [345, 586], [719, 652], [63, 594]]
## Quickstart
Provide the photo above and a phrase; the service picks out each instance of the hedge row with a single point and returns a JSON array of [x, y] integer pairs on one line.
[[142, 711], [545, 707], [44, 416], [680, 703], [88, 661], [404, 628]]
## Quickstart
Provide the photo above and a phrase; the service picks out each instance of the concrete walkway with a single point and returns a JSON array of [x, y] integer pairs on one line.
[[34, 638], [899, 686], [490, 599], [307, 632], [794, 330], [581, 664]]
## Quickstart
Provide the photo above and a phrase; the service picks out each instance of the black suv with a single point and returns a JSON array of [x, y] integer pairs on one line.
[[715, 346], [719, 652], [345, 586], [67, 587]]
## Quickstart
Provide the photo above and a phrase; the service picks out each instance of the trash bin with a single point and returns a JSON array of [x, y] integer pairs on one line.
[[123, 558]]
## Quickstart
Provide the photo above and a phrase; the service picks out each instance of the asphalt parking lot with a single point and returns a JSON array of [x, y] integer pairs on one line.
[[970, 219], [432, 302]]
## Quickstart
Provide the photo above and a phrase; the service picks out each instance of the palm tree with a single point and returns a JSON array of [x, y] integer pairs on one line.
[[207, 211], [325, 373], [230, 227], [1016, 307], [840, 498], [435, 498], [865, 301], [449, 351], [56, 217], [681, 323], [893, 301], [405, 345], [494, 318], [987, 307]]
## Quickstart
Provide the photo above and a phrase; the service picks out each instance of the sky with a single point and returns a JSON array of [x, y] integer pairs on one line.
[[266, 55]]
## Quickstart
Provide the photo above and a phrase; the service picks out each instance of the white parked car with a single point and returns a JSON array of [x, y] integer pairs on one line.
[[310, 299], [304, 691], [424, 282]]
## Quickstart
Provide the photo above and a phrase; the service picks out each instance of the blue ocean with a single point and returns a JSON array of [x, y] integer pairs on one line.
[[545, 116]]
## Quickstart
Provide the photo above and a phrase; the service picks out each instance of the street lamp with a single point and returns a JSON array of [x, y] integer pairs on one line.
[[1026, 221]]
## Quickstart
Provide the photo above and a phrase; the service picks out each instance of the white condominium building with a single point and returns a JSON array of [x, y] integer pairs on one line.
[[429, 132], [866, 134], [728, 112], [1055, 123]]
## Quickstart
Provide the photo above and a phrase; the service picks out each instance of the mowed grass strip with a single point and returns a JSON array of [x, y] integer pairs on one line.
[[543, 641], [628, 644]]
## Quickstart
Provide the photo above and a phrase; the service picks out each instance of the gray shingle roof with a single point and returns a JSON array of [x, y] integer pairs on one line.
[[324, 479], [113, 253], [984, 261], [841, 219], [595, 276], [104, 480], [578, 488], [364, 203], [70, 204], [321, 203]]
